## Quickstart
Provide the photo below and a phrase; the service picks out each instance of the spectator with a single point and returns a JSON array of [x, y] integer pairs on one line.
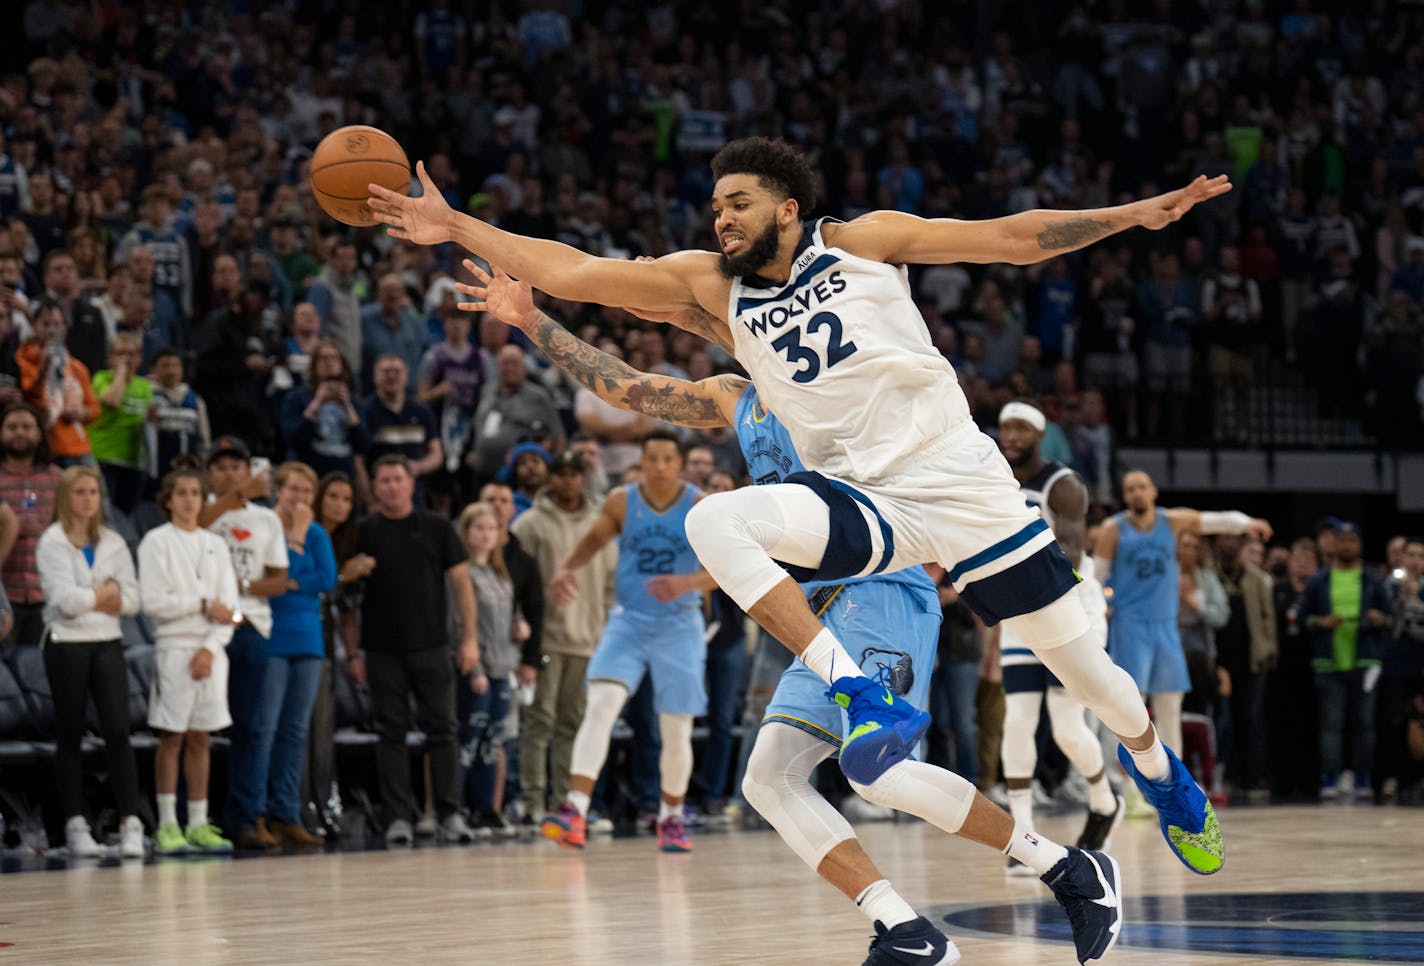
[[699, 465], [337, 294], [85, 334], [1169, 306], [400, 424], [125, 399], [190, 595], [234, 362], [529, 467], [391, 327], [1347, 609], [335, 504], [548, 531], [1231, 313], [1402, 680], [451, 378], [1246, 651], [403, 612], [1295, 759], [177, 419], [88, 580], [293, 659], [320, 422], [255, 541], [483, 696], [172, 263], [27, 484], [513, 410], [528, 584], [1110, 336], [56, 383]]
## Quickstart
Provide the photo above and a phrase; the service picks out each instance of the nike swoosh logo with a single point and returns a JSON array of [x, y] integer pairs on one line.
[[985, 455], [1108, 900], [929, 950], [888, 698]]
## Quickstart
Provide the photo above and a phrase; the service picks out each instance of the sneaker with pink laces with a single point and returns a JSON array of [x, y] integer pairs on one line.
[[672, 835]]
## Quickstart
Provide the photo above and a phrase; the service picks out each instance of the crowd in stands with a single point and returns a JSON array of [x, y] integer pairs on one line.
[[172, 297]]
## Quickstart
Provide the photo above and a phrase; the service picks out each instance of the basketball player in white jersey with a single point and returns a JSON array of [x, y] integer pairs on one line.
[[821, 316], [1061, 496]]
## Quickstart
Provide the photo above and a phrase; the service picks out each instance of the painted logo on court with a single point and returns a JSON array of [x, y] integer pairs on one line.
[[1383, 927]]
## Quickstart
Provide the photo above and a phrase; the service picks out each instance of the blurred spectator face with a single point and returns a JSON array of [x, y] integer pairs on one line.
[[61, 276], [326, 362], [49, 325], [699, 466], [155, 210], [457, 328], [531, 472], [391, 294], [1188, 550], [1347, 549], [1302, 562], [186, 501], [662, 463], [699, 366], [207, 218], [1325, 541], [1019, 440], [116, 286], [720, 482], [390, 377], [1412, 560], [1394, 553], [125, 352], [344, 259], [20, 435], [168, 371], [1253, 553], [226, 474], [140, 263], [1229, 260], [336, 504], [483, 532], [1277, 561], [494, 334], [296, 491], [588, 451], [501, 498], [1138, 493], [511, 367], [1032, 351], [565, 487], [284, 239], [1094, 409], [41, 192], [1228, 549], [306, 323], [393, 488], [227, 277]]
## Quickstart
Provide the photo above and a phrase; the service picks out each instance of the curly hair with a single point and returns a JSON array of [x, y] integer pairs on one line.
[[778, 167]]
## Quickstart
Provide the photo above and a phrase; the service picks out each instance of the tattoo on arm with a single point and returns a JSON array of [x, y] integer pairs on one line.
[[1075, 233], [704, 324], [671, 400]]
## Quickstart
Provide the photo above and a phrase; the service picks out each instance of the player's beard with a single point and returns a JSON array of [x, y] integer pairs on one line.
[[758, 255], [1022, 458]]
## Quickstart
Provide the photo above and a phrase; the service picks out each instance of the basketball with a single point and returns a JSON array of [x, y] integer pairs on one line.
[[346, 161]]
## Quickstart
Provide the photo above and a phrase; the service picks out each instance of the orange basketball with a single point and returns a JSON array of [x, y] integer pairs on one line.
[[346, 161]]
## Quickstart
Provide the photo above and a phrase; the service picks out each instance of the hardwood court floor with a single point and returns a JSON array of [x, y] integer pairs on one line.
[[741, 897]]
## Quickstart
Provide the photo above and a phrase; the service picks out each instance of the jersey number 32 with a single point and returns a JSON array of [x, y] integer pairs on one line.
[[798, 353]]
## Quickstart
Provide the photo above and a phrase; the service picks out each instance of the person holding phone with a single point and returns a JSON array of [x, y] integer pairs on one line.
[[189, 592]]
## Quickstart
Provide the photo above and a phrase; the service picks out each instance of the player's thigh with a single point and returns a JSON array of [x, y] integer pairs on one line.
[[677, 660], [1169, 662], [892, 631], [1130, 647], [621, 654]]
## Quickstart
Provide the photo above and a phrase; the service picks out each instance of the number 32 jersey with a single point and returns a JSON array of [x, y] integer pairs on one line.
[[841, 354], [652, 544]]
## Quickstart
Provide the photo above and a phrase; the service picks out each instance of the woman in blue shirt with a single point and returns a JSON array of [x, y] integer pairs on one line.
[[294, 660]]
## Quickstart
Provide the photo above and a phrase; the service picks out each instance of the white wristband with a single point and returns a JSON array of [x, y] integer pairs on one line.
[[1224, 521]]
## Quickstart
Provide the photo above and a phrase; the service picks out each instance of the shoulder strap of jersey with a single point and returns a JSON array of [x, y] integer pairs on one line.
[[1059, 471], [816, 237]]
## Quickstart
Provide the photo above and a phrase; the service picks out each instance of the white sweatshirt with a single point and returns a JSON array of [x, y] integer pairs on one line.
[[69, 585], [178, 570]]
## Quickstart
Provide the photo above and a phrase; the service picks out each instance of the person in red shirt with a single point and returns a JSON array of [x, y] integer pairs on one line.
[[58, 385], [27, 486]]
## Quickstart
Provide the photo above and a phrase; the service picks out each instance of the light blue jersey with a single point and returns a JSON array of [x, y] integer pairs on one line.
[[1142, 632], [654, 544], [888, 623]]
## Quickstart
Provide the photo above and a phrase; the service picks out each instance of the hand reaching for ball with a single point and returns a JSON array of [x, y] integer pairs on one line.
[[424, 220]]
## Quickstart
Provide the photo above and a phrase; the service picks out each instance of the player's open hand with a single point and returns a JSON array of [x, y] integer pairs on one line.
[[424, 220], [1161, 211], [1260, 529], [507, 299], [666, 587]]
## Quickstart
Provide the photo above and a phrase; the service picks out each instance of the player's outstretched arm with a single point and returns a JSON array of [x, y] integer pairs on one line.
[[1021, 239], [1211, 522], [562, 271], [700, 405]]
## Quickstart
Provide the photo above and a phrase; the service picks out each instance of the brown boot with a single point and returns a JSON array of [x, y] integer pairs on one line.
[[254, 838], [295, 836], [268, 839]]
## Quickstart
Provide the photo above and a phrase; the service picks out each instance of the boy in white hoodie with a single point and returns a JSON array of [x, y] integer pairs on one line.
[[190, 593]]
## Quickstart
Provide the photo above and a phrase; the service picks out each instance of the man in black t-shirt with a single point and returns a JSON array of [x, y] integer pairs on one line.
[[404, 649]]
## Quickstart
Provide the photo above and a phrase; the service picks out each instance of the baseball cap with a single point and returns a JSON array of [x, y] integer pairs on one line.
[[1347, 526], [524, 448], [567, 462], [228, 446]]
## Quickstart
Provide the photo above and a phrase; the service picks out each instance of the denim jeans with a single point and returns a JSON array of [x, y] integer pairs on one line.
[[1344, 704], [952, 709], [483, 720], [280, 740], [247, 665], [726, 680]]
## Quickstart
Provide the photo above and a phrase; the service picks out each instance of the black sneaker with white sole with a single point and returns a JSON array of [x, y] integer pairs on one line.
[[1099, 828], [1088, 885], [916, 942]]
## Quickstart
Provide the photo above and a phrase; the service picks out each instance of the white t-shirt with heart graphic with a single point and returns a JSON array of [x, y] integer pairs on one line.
[[255, 539]]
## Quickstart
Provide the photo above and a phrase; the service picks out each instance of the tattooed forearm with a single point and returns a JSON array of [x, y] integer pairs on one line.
[[1075, 233], [612, 379], [703, 324]]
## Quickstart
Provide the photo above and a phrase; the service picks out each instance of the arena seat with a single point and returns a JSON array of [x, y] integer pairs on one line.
[[14, 720], [34, 682]]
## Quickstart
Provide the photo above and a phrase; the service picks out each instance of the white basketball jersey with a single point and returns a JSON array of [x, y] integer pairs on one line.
[[841, 354]]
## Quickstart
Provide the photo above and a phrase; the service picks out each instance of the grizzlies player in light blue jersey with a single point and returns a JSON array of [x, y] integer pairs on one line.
[[644, 635], [890, 622], [1136, 554]]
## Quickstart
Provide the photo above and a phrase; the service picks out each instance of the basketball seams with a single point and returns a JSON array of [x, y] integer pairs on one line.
[[315, 175]]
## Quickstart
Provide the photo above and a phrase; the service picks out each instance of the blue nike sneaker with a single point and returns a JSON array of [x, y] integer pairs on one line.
[[1088, 885], [915, 942], [884, 728], [1188, 820]]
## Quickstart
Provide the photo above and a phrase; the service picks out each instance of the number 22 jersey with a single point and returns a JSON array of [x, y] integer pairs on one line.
[[651, 544], [842, 355]]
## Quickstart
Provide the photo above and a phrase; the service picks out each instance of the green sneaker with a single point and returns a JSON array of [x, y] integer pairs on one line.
[[207, 838], [169, 840]]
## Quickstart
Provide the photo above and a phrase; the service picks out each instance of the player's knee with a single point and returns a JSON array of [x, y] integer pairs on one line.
[[758, 786], [878, 792], [708, 523]]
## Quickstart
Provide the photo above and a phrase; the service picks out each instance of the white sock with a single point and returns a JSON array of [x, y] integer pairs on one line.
[[1100, 796], [828, 659], [666, 811], [167, 809], [1034, 851], [197, 812], [579, 800], [880, 902], [1152, 762], [1021, 806]]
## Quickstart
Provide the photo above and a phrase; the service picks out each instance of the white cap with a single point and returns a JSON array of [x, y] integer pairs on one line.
[[1023, 411]]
